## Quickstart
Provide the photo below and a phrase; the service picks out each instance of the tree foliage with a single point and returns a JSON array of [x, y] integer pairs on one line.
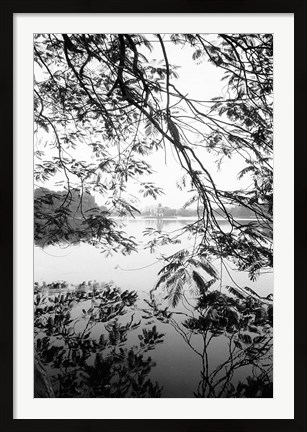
[[99, 93], [80, 363], [242, 320], [102, 107]]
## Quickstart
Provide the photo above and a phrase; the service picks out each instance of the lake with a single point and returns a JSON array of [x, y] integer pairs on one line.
[[177, 367]]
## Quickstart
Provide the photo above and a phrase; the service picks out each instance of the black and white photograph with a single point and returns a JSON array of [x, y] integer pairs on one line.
[[153, 215]]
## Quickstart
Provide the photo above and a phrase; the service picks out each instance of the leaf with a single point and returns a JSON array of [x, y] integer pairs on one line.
[[252, 292], [197, 54], [253, 329], [176, 292], [161, 280], [192, 200], [208, 267], [246, 338], [238, 344], [150, 129], [235, 292], [200, 282], [245, 171]]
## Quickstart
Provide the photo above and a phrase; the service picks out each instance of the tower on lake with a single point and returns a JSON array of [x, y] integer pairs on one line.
[[159, 212]]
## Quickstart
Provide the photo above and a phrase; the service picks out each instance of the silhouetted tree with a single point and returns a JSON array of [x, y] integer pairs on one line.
[[102, 108], [82, 364], [99, 92]]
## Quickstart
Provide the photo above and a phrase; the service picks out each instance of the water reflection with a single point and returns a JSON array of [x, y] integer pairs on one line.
[[94, 341], [79, 364], [242, 326], [177, 369], [160, 223]]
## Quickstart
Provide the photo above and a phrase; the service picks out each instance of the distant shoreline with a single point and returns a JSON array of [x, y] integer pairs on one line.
[[181, 218]]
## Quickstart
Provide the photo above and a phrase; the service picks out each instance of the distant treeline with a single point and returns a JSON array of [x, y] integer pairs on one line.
[[241, 212], [171, 212], [236, 212], [62, 215], [71, 216]]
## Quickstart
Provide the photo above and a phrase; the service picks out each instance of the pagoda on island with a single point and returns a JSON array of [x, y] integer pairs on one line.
[[159, 212], [156, 212]]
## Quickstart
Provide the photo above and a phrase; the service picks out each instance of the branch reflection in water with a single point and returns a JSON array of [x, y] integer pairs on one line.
[[80, 365]]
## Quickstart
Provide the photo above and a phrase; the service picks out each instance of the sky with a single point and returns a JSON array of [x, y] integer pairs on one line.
[[200, 81]]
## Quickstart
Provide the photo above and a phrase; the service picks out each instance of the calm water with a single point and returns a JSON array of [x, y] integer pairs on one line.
[[177, 366]]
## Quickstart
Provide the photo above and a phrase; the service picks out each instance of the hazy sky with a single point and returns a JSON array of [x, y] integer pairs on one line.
[[200, 81]]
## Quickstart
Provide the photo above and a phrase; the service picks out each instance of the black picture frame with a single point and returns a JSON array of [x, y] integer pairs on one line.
[[8, 8]]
